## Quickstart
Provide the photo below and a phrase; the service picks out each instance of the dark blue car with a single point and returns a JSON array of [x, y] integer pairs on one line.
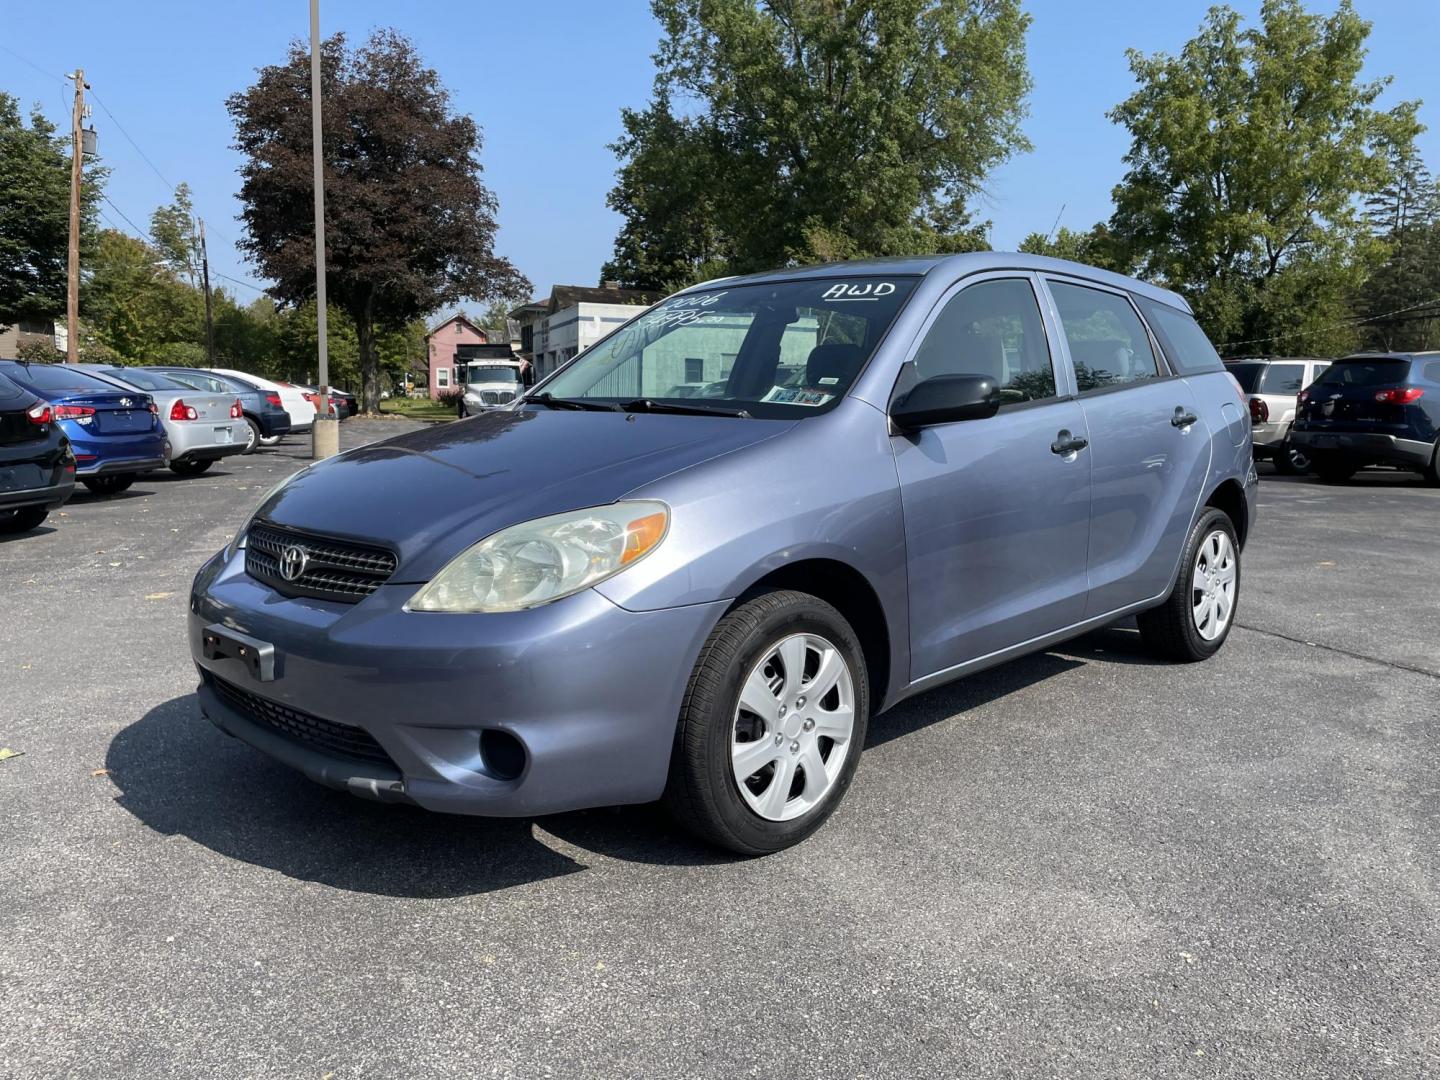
[[115, 434]]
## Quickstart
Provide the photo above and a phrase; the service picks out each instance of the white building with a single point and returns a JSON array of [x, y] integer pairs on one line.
[[572, 319]]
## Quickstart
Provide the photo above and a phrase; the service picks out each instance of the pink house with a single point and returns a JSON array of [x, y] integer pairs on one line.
[[441, 343]]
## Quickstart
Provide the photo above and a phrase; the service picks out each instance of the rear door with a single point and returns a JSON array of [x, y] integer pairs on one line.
[[996, 519], [1149, 446]]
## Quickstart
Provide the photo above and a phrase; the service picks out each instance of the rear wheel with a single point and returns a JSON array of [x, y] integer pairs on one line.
[[108, 485], [190, 468], [1290, 461], [22, 520], [1196, 619], [252, 435], [269, 440], [772, 725], [1432, 474]]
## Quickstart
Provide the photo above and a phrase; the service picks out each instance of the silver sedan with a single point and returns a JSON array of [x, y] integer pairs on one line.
[[201, 427]]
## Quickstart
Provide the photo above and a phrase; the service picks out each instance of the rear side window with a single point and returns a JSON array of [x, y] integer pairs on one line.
[[1283, 379], [1432, 371], [1185, 344], [1365, 373], [992, 328], [1108, 343], [1246, 374], [58, 377]]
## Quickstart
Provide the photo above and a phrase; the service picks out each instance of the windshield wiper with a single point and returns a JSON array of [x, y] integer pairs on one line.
[[650, 405], [554, 402]]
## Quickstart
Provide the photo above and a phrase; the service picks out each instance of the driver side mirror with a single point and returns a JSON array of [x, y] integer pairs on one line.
[[944, 399]]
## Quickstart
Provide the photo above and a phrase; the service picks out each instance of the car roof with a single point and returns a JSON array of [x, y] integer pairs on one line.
[[970, 262], [1429, 354]]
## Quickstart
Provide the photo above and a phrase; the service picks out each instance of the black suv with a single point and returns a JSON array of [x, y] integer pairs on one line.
[[37, 466], [1372, 409]]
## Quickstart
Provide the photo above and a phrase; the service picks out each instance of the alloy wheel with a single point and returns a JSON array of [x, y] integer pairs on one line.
[[1212, 585], [793, 726]]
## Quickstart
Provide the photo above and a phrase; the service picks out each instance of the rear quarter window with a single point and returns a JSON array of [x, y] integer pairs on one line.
[[1186, 346], [1432, 371]]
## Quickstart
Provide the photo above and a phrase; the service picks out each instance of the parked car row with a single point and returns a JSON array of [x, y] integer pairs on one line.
[[1335, 417], [104, 425]]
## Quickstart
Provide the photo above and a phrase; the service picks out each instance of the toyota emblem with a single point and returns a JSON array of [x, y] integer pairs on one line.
[[292, 563]]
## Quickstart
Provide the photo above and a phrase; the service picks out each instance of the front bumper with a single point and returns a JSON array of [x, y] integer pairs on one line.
[[590, 690], [1371, 446]]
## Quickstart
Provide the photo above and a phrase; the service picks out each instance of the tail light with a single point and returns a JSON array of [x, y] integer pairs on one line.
[[39, 413], [236, 413], [1259, 411], [1399, 395], [80, 413], [181, 411], [274, 399]]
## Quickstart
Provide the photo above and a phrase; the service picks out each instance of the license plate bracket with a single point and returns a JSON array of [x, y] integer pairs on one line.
[[219, 643]]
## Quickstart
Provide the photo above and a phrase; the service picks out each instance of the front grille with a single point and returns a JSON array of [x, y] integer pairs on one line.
[[496, 397], [339, 739], [332, 569]]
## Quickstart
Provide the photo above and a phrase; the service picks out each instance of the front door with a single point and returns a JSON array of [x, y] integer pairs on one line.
[[1149, 446], [997, 511]]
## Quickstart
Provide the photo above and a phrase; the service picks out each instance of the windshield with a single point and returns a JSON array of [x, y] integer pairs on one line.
[[783, 350], [493, 373]]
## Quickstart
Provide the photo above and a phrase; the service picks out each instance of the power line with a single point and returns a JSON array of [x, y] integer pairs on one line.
[[34, 65], [1434, 300], [121, 127], [143, 234], [237, 281]]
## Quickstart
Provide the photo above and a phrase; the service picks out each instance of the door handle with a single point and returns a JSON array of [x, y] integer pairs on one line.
[[1067, 444], [1183, 419]]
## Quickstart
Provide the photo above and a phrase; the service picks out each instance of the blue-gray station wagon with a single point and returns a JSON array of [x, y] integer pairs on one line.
[[693, 563]]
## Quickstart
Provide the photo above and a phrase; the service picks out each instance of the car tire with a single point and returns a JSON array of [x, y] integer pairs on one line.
[[1182, 629], [270, 440], [1432, 474], [745, 658], [22, 520], [1333, 470], [253, 438], [108, 485], [191, 468], [1290, 461]]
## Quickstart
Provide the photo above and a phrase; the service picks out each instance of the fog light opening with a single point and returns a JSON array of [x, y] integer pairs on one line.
[[502, 753]]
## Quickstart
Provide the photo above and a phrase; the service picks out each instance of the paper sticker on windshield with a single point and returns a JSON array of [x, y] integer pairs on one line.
[[869, 290], [788, 395]]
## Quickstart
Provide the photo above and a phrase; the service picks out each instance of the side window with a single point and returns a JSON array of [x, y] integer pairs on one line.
[[1283, 379], [1108, 342], [992, 328], [1186, 346], [1432, 371], [1319, 369]]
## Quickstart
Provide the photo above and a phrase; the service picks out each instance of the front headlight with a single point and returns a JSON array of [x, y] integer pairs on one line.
[[538, 561]]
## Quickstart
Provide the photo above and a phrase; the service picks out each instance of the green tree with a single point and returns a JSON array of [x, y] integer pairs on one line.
[[35, 215], [1098, 247], [409, 225], [1251, 154], [133, 303], [814, 130], [1400, 301], [173, 230]]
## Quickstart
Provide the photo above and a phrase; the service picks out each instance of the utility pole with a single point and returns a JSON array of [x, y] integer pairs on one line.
[[209, 314], [77, 163], [325, 435]]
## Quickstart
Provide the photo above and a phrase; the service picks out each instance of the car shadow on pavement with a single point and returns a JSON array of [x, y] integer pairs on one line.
[[1119, 644], [183, 777]]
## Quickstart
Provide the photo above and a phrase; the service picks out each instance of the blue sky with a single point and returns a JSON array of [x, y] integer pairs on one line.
[[546, 81]]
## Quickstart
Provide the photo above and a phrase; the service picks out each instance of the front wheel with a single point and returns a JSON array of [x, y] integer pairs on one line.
[[772, 725], [1196, 619], [108, 485], [1432, 473]]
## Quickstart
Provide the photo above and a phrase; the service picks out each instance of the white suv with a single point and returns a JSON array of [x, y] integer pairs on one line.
[[1272, 383]]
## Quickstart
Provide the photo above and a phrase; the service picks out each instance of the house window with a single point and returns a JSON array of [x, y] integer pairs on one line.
[[442, 377], [458, 327], [694, 369]]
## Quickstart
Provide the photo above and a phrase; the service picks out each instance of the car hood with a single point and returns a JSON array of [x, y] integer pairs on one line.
[[430, 494]]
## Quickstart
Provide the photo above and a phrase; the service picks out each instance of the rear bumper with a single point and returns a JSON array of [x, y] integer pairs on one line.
[[1269, 437], [588, 690], [120, 465], [195, 440], [1378, 448], [271, 424], [51, 496]]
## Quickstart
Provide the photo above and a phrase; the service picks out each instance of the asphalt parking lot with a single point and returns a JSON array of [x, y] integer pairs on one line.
[[1084, 864]]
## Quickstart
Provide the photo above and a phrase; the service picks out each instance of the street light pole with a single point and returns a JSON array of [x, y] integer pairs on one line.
[[325, 435]]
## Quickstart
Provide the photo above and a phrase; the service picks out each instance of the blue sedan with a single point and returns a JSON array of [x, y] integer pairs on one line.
[[116, 435]]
